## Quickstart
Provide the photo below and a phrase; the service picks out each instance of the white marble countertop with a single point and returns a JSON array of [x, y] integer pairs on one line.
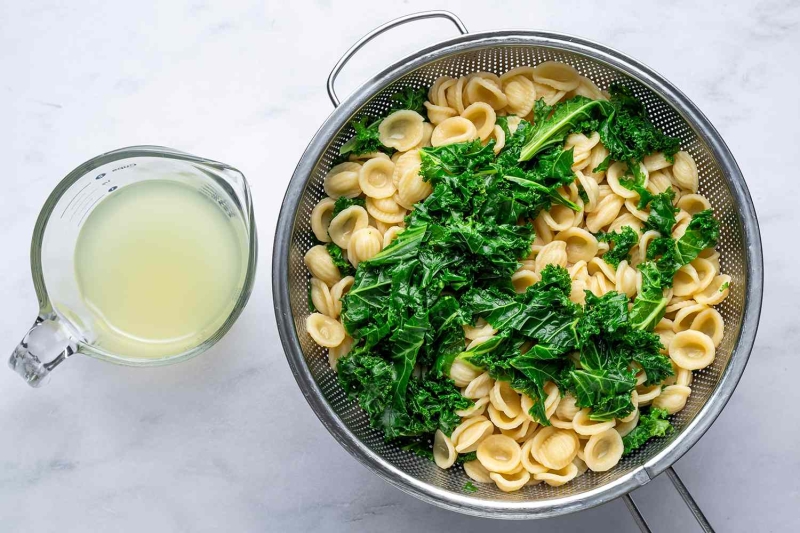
[[226, 442]]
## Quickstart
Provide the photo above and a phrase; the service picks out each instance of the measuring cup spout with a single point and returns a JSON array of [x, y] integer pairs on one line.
[[45, 346]]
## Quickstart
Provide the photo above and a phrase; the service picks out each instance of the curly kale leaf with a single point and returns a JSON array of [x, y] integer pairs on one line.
[[662, 213], [648, 307], [365, 139], [652, 424], [343, 203], [671, 254], [620, 243], [410, 98], [428, 404], [339, 259], [578, 114], [628, 133]]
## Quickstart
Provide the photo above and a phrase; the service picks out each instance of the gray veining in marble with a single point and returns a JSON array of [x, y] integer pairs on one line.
[[226, 442]]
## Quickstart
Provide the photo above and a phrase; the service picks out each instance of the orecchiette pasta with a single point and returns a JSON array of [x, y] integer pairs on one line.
[[479, 387], [498, 453], [402, 130], [463, 373], [321, 219], [656, 161], [559, 76], [580, 244], [684, 171], [337, 352], [321, 298], [391, 234], [438, 113], [325, 330], [603, 451], [673, 398], [502, 420], [384, 210], [692, 350], [647, 393], [554, 448], [518, 433], [499, 136], [583, 425], [321, 266], [556, 478], [338, 290], [520, 93], [582, 146], [567, 408], [364, 244], [510, 482], [618, 171], [347, 222], [506, 399], [658, 182], [554, 253], [522, 279], [342, 180], [478, 408], [476, 472], [559, 218], [605, 213], [623, 428], [709, 322], [375, 178], [482, 117], [472, 436], [686, 281], [716, 291], [628, 279], [480, 89], [412, 188], [444, 454], [427, 132], [453, 130], [686, 315], [587, 88], [693, 203]]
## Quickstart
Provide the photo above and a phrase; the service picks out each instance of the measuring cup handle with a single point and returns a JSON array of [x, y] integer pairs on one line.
[[379, 30], [45, 346]]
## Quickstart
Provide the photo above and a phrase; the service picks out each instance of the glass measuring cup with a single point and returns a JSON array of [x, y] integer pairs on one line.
[[65, 324]]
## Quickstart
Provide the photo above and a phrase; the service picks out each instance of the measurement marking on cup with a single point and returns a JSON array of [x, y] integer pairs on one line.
[[89, 209], [83, 202], [74, 197]]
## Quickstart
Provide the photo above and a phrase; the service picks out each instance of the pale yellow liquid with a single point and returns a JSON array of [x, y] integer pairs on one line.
[[160, 266]]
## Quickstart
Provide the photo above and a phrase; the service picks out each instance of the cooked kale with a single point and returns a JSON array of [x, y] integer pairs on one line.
[[662, 212], [671, 254], [410, 98], [343, 203], [339, 259], [621, 243], [654, 423], [365, 140]]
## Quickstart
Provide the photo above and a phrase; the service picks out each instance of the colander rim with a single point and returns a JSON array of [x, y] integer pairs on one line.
[[539, 508]]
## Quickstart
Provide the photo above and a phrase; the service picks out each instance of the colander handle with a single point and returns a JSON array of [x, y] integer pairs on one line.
[[687, 498], [379, 30]]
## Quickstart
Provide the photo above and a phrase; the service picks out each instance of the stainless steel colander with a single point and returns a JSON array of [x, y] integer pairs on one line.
[[720, 181]]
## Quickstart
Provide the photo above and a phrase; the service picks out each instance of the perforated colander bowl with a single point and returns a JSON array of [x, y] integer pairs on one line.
[[720, 181]]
